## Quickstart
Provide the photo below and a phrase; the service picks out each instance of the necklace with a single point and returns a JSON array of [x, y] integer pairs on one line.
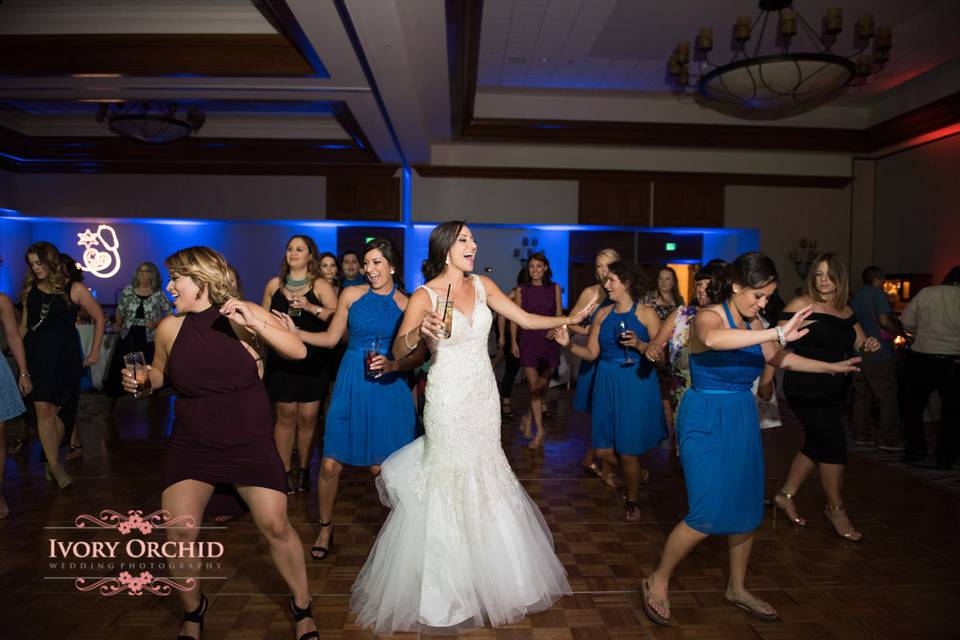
[[296, 284], [44, 309]]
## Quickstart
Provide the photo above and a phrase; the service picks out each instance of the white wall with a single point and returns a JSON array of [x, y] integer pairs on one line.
[[172, 196], [495, 200], [784, 215], [917, 199]]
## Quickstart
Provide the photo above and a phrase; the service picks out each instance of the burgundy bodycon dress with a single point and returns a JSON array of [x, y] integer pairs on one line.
[[535, 350], [222, 427]]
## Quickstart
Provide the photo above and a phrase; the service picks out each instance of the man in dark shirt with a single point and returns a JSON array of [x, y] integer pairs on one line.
[[876, 382]]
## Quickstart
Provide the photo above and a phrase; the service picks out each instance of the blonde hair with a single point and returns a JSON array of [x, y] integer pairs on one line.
[[837, 272], [56, 279], [207, 268], [154, 271], [612, 255]]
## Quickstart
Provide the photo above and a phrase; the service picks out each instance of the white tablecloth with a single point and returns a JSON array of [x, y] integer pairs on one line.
[[98, 370]]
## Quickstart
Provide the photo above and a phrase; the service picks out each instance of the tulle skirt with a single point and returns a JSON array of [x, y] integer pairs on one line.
[[463, 547]]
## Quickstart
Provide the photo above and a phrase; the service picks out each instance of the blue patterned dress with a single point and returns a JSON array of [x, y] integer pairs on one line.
[[720, 445], [627, 414], [11, 404], [368, 419]]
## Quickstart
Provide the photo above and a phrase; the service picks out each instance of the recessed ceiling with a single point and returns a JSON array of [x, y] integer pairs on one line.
[[622, 45]]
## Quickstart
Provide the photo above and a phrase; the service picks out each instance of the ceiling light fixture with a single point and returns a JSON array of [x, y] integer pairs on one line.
[[779, 80], [156, 123]]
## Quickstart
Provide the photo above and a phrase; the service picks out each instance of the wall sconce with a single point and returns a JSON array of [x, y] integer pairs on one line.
[[802, 256]]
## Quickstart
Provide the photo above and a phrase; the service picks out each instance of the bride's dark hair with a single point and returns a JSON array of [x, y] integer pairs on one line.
[[441, 239]]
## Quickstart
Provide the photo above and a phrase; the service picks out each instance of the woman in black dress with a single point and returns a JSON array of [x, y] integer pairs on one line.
[[54, 358], [817, 399], [297, 388], [222, 430]]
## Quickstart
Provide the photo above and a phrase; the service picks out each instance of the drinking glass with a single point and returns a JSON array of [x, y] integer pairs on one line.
[[621, 334], [137, 365], [293, 311], [445, 309], [373, 350]]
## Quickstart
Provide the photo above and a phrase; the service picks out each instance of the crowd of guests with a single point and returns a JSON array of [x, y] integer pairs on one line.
[[656, 370]]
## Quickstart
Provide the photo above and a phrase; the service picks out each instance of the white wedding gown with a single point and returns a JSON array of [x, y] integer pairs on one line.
[[464, 545]]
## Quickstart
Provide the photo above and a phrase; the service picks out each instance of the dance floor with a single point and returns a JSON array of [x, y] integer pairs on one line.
[[902, 581]]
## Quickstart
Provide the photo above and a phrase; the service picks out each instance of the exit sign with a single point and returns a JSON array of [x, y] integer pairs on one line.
[[369, 239], [670, 246]]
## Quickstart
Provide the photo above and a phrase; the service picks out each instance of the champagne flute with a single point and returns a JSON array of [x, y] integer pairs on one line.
[[137, 365], [621, 336]]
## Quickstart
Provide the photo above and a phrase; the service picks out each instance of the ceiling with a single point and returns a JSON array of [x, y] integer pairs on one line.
[[309, 86]]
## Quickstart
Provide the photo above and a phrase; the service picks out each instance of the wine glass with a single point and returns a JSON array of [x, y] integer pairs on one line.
[[621, 335], [137, 365]]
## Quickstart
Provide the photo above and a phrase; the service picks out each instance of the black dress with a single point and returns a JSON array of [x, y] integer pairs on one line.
[[818, 398], [135, 340], [54, 355], [304, 380]]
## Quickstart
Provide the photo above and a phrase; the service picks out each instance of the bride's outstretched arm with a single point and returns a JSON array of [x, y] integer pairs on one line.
[[506, 307]]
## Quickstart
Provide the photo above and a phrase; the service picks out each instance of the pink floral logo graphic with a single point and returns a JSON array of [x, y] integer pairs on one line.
[[110, 519], [135, 585]]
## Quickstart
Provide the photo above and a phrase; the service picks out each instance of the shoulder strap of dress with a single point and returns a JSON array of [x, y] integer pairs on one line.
[[430, 292], [478, 285], [733, 325], [633, 309]]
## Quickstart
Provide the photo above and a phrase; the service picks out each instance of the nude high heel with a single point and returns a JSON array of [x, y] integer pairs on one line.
[[781, 502]]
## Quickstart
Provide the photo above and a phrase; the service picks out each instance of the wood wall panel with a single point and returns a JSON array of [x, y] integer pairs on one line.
[[687, 204], [621, 202], [373, 195]]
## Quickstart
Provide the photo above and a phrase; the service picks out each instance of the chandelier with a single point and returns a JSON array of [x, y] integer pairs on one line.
[[783, 79], [157, 123]]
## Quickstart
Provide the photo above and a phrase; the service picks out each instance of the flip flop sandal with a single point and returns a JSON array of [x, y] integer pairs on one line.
[[755, 611], [648, 607]]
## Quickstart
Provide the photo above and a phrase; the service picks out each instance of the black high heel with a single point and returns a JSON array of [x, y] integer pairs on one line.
[[195, 616], [293, 481], [319, 553], [302, 614], [304, 485]]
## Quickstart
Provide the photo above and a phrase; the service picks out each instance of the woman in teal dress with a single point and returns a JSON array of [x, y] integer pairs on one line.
[[719, 431], [371, 413], [627, 415]]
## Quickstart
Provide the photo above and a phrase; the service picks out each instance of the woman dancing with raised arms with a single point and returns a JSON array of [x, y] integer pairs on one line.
[[464, 545], [222, 429], [718, 427]]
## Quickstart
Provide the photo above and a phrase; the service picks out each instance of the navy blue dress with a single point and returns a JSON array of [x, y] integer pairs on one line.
[[627, 414], [720, 447], [368, 419]]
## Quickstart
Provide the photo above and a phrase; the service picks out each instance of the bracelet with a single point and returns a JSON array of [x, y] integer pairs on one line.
[[407, 343], [24, 375], [781, 338]]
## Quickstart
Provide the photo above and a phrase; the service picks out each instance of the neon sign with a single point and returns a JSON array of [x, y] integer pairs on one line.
[[102, 263]]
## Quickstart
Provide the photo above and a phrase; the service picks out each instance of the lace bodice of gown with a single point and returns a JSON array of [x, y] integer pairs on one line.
[[462, 412]]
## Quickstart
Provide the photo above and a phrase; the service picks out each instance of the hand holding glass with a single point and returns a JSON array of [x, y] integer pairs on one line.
[[623, 334], [137, 365], [293, 311], [445, 309], [373, 350]]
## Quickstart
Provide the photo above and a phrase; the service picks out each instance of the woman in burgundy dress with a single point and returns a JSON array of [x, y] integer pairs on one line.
[[222, 429], [539, 356]]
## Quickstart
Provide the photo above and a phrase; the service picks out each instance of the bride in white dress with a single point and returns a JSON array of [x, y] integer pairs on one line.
[[464, 545]]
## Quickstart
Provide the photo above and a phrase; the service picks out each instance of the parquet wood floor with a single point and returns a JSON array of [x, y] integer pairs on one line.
[[903, 581]]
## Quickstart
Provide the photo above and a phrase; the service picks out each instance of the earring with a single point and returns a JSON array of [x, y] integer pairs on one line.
[[392, 272], [448, 260]]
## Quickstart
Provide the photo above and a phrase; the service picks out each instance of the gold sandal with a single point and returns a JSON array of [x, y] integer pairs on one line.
[[850, 534], [780, 503]]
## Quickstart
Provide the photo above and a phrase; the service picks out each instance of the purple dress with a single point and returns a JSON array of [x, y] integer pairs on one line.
[[535, 350], [222, 427]]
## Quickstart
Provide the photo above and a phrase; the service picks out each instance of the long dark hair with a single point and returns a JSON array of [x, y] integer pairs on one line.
[[336, 261], [313, 264], [548, 272], [675, 289], [391, 254], [713, 273], [441, 239], [631, 276], [753, 270]]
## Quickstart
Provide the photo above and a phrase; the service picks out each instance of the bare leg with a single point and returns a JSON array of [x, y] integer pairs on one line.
[[328, 481], [539, 382], [681, 541], [269, 509], [740, 547], [800, 470], [831, 476], [589, 457], [50, 429], [306, 430], [610, 462], [284, 431], [632, 473], [186, 498]]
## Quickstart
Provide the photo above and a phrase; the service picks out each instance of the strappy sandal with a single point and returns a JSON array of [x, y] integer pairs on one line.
[[633, 512], [593, 469], [76, 451], [195, 616], [850, 534], [781, 502], [755, 610], [302, 614], [612, 481], [319, 553], [649, 600], [17, 445]]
